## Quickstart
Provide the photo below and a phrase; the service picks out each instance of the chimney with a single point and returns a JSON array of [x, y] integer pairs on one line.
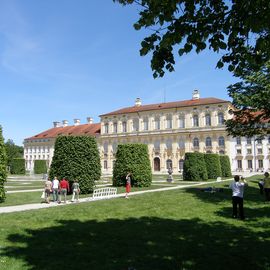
[[56, 124], [89, 120], [65, 123], [138, 102], [77, 122], [195, 94]]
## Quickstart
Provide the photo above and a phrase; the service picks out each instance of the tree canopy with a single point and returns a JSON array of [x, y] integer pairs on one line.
[[251, 98], [13, 151], [240, 30]]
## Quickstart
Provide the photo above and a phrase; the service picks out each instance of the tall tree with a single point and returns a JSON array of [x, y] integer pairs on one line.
[[13, 151], [3, 167], [251, 98], [240, 29]]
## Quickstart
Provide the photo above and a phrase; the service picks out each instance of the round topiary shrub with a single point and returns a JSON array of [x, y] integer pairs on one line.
[[17, 166], [225, 166], [3, 167], [76, 157], [194, 167], [132, 158], [40, 166], [212, 165]]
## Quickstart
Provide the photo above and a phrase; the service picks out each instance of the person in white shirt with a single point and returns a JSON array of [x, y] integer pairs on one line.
[[55, 188], [237, 187]]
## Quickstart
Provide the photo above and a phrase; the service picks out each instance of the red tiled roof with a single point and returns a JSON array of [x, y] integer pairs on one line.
[[168, 105], [85, 129]]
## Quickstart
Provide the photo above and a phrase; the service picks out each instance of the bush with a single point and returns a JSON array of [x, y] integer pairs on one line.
[[212, 165], [225, 166], [194, 167], [40, 166], [3, 167], [132, 158], [17, 166], [76, 157]]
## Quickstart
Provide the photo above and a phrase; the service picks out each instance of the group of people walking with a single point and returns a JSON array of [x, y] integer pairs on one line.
[[59, 189], [237, 187]]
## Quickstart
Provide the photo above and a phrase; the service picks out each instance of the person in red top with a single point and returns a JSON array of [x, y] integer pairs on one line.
[[64, 188]]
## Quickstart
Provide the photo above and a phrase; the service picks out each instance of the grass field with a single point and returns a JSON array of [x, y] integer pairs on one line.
[[180, 229]]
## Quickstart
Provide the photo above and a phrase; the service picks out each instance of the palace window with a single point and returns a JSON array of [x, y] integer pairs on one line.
[[195, 142], [238, 140], [169, 121], [181, 122], [260, 163], [208, 119], [220, 118], [208, 142], [248, 140], [195, 120], [157, 122], [105, 164], [115, 127], [221, 141], [136, 124], [124, 126], [145, 123], [169, 144], [106, 128]]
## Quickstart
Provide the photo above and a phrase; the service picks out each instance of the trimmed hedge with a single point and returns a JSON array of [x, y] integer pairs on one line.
[[194, 167], [213, 167], [225, 166], [76, 157], [17, 166], [132, 158], [3, 167], [40, 166]]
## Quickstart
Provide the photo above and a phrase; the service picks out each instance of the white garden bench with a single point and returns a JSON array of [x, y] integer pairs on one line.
[[103, 193]]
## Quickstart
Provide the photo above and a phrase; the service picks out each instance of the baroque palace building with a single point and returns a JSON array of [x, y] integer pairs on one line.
[[169, 129]]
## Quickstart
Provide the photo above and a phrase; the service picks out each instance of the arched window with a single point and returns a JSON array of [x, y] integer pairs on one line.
[[169, 164], [221, 141], [124, 126], [106, 128], [157, 144], [208, 119], [169, 144], [157, 122], [208, 141], [135, 124], [105, 147], [145, 123], [220, 118], [195, 142], [181, 144], [181, 121], [115, 127], [195, 120], [114, 147], [169, 121]]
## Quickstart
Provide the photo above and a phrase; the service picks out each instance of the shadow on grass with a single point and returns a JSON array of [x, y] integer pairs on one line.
[[251, 194], [143, 243]]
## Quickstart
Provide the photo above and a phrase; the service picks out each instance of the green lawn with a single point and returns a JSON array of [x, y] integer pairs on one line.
[[180, 229]]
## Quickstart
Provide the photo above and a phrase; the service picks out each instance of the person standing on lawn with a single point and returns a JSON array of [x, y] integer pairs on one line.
[[47, 190], [55, 189], [75, 190], [64, 188], [266, 186], [128, 184], [237, 187]]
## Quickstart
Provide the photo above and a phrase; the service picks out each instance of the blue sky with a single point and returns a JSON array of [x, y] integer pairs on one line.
[[67, 59]]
